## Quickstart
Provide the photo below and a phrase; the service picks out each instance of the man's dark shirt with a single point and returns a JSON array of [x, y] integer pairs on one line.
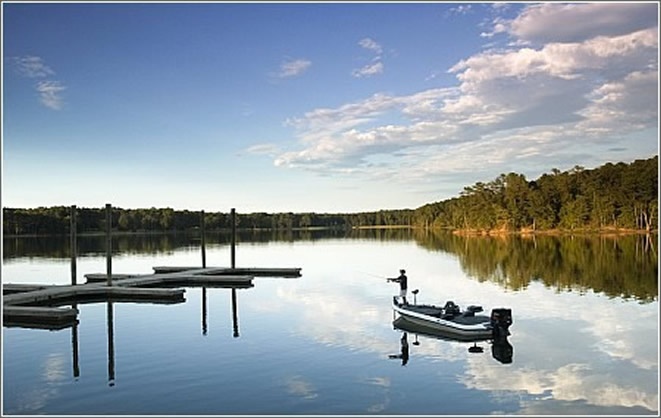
[[403, 281]]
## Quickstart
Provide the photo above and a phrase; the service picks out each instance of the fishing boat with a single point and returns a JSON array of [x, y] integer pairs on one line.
[[454, 321]]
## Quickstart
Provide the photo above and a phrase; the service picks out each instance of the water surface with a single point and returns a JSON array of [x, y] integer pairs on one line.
[[584, 338]]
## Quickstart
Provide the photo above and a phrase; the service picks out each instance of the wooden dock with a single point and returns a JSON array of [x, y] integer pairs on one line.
[[9, 288], [181, 279], [39, 317], [60, 295], [37, 305], [283, 272]]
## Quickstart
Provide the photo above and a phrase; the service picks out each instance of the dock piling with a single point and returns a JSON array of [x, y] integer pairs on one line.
[[203, 242], [109, 243], [73, 244], [233, 216], [21, 301]]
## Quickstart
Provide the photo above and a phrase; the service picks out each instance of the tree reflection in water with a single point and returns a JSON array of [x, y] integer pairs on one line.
[[617, 266]]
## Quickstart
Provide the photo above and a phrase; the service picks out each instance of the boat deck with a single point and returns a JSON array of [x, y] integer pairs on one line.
[[464, 318]]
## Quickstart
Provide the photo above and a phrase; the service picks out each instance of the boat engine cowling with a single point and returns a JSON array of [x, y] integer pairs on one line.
[[501, 319]]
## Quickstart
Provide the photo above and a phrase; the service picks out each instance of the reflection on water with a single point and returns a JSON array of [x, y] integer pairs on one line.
[[404, 353], [110, 329], [57, 246], [501, 348], [621, 266], [325, 344], [618, 266]]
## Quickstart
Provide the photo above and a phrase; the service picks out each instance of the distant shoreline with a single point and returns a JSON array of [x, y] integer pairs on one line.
[[609, 231]]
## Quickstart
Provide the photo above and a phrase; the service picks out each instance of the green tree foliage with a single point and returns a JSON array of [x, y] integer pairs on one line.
[[612, 196], [623, 196]]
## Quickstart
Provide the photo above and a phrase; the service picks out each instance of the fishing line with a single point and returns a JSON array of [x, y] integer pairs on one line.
[[373, 275]]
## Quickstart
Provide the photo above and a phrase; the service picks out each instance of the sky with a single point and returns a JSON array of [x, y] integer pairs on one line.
[[322, 107]]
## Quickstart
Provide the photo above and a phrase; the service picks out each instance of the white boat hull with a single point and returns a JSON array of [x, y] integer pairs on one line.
[[477, 330]]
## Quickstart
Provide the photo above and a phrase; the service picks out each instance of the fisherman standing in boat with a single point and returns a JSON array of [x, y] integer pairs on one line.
[[403, 284]]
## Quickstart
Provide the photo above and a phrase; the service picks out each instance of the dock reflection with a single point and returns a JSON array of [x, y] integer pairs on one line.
[[235, 309], [111, 345], [501, 348], [110, 325], [74, 346]]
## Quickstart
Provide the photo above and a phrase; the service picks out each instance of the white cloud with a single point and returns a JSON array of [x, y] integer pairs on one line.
[[460, 10], [371, 45], [520, 105], [579, 22], [49, 94], [31, 66], [376, 65], [263, 149], [293, 68], [625, 102], [48, 90], [563, 60], [368, 70]]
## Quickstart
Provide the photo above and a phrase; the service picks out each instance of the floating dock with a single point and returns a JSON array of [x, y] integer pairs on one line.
[[9, 288], [39, 317], [37, 305], [282, 272], [59, 295]]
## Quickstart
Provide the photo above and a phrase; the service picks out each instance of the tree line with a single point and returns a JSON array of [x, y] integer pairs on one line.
[[613, 196], [621, 196], [57, 220]]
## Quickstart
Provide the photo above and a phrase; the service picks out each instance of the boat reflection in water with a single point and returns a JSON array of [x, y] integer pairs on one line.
[[501, 349]]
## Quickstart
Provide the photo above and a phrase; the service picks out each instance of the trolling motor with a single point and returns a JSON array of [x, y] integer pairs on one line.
[[501, 319]]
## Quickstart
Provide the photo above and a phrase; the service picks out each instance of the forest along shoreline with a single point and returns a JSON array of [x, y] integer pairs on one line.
[[617, 198]]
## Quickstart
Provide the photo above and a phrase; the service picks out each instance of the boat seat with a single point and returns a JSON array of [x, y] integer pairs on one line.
[[471, 309], [451, 308]]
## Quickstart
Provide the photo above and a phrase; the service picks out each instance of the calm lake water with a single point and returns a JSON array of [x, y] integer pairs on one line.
[[584, 339]]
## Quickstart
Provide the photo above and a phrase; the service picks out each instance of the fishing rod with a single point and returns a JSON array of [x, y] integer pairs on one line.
[[374, 275]]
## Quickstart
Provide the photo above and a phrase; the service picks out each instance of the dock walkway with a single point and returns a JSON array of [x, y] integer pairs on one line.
[[38, 304]]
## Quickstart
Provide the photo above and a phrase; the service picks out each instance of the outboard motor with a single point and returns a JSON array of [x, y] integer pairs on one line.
[[501, 319]]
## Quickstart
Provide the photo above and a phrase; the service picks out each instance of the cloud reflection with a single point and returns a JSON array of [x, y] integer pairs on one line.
[[30, 400], [298, 386], [569, 347]]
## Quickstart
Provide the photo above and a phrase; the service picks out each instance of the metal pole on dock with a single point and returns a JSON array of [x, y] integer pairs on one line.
[[73, 246], [109, 243], [202, 230], [233, 216]]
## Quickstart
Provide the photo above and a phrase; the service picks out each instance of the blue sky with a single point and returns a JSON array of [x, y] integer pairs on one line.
[[325, 107]]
